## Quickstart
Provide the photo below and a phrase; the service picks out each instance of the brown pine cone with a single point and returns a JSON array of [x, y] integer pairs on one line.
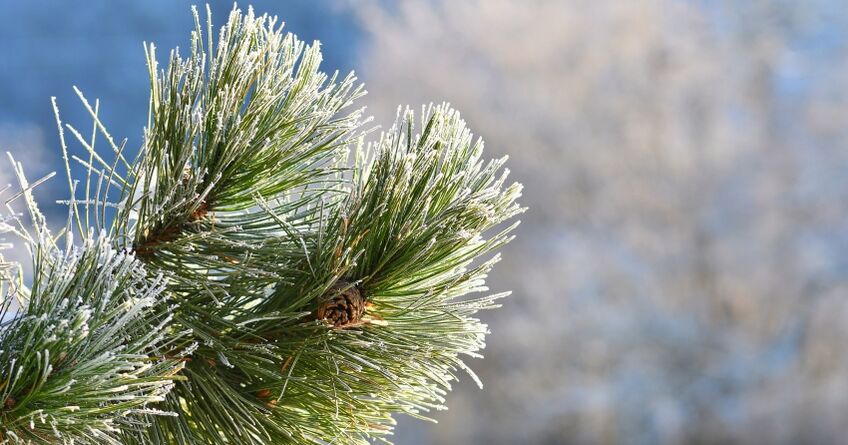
[[200, 212], [342, 305]]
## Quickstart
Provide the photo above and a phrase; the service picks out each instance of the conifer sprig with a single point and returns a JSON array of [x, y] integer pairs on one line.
[[88, 357], [252, 116], [304, 300]]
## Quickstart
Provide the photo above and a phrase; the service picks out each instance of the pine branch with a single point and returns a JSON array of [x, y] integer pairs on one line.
[[87, 358], [415, 220], [309, 302], [253, 117]]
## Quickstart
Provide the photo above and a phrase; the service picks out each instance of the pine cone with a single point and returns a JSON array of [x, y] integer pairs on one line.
[[342, 305]]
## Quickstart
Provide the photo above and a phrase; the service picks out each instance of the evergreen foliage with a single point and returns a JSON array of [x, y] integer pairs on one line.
[[198, 313], [85, 361]]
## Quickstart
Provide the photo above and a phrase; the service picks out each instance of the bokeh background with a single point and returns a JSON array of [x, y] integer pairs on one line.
[[682, 273]]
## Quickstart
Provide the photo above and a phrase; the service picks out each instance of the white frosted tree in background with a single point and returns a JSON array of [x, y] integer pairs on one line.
[[683, 270]]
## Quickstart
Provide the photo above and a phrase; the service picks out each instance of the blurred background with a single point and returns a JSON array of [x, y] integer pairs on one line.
[[682, 273]]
